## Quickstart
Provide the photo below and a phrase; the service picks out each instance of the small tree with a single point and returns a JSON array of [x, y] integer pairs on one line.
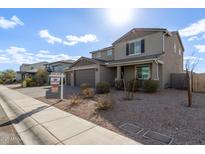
[[129, 88], [8, 76], [41, 77], [190, 65]]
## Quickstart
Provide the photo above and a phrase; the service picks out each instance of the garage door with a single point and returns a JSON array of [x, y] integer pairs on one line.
[[85, 76]]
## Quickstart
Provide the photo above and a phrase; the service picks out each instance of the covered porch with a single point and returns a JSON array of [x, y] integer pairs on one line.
[[140, 70]]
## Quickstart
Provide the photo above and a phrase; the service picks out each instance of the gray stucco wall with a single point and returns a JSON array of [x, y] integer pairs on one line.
[[153, 44]]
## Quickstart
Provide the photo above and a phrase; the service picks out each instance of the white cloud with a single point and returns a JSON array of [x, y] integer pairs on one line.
[[193, 38], [44, 51], [193, 29], [48, 37], [6, 23], [200, 48], [18, 55], [192, 58], [72, 40]]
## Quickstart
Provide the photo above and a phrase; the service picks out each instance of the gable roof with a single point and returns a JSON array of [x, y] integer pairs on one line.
[[103, 49], [62, 61], [96, 61], [141, 32]]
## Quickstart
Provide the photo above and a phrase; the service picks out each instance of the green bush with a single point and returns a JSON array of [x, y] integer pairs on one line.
[[119, 85], [1, 82], [151, 85], [102, 87], [32, 84], [84, 86], [132, 84], [29, 82]]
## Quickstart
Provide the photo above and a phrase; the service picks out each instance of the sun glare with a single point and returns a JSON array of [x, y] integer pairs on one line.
[[120, 16]]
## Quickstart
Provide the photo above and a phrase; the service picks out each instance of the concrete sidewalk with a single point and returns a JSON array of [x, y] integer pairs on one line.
[[39, 123]]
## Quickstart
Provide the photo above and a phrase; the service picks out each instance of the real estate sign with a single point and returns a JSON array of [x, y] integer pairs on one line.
[[55, 82]]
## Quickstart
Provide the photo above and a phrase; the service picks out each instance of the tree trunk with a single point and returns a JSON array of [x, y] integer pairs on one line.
[[189, 89]]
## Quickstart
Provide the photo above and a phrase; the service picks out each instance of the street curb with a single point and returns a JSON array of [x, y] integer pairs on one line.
[[33, 133]]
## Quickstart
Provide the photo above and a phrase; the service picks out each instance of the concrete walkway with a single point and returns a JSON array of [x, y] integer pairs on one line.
[[39, 123]]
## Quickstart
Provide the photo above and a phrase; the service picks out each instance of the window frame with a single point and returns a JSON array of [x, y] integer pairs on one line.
[[108, 52], [149, 72], [98, 54], [134, 52]]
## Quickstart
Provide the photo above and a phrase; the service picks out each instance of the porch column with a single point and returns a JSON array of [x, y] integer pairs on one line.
[[155, 70], [119, 72], [72, 78]]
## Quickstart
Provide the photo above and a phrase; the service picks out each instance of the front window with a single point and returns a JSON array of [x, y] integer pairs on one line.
[[109, 53], [135, 47], [98, 54], [143, 72]]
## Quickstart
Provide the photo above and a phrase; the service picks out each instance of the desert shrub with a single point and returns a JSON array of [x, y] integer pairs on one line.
[[132, 83], [24, 85], [104, 102], [151, 85], [88, 93], [102, 87], [119, 85], [84, 86], [75, 100]]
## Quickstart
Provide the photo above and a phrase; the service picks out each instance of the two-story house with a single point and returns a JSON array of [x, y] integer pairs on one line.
[[27, 70], [142, 53], [59, 66]]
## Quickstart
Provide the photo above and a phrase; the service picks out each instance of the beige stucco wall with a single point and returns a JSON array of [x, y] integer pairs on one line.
[[104, 55], [129, 72], [173, 62], [107, 74], [153, 44]]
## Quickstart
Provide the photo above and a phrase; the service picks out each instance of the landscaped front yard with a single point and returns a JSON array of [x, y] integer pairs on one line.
[[164, 112]]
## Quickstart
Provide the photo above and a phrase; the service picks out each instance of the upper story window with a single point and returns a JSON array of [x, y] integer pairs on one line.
[[175, 48], [136, 47], [98, 54], [109, 53]]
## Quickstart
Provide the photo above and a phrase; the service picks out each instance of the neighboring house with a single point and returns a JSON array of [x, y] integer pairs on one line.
[[143, 53], [27, 70], [59, 66]]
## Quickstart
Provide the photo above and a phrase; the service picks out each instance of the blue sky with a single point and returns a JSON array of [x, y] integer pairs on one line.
[[32, 35]]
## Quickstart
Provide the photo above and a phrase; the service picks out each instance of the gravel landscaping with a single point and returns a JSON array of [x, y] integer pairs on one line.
[[164, 112]]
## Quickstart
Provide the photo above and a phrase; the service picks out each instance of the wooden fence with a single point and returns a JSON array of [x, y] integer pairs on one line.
[[178, 81]]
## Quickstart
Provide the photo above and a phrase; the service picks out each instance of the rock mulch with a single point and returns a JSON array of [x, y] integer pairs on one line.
[[164, 112]]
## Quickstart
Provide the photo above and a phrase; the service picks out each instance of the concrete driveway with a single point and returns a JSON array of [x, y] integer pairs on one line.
[[45, 91], [34, 91]]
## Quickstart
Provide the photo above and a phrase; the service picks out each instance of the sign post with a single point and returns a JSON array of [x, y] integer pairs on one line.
[[62, 86], [56, 78]]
